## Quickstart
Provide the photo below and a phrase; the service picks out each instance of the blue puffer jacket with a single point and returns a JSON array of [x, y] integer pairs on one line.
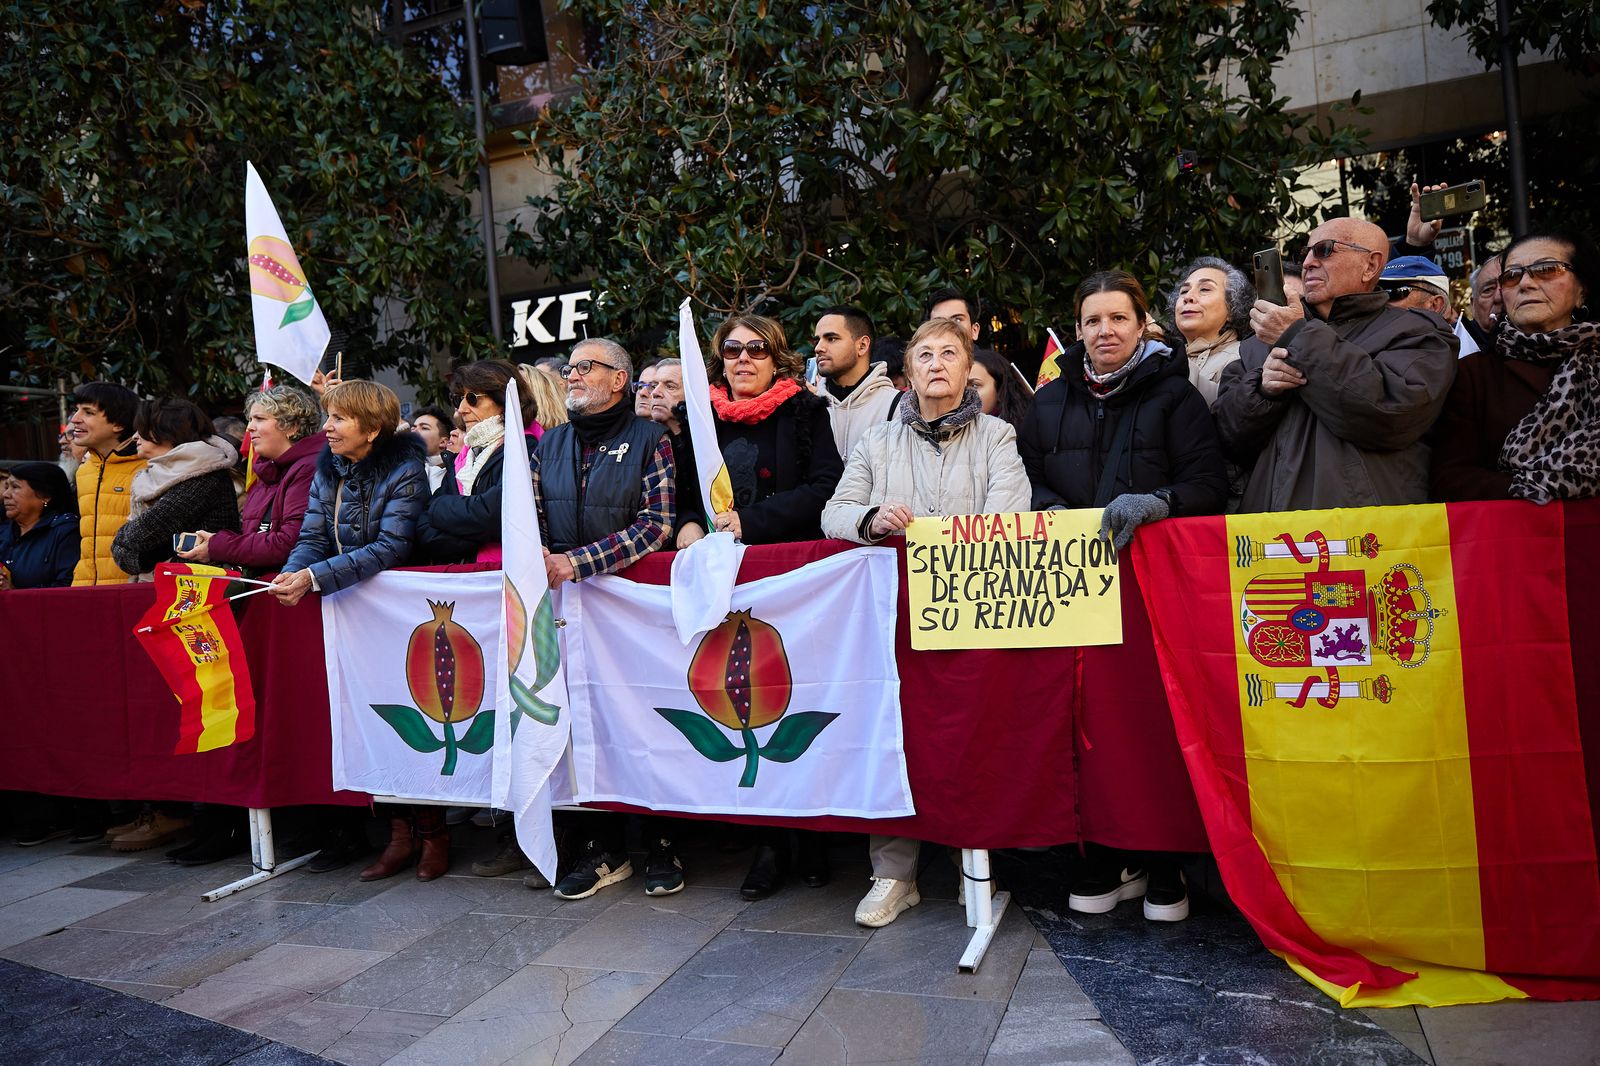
[[377, 501]]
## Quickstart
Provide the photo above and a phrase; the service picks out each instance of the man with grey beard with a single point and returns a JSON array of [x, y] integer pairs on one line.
[[603, 483]]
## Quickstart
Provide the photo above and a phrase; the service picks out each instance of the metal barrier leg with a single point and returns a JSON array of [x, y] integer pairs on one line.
[[262, 856], [985, 908]]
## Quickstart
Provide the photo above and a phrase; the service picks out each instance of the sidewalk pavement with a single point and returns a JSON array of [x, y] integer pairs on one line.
[[471, 971]]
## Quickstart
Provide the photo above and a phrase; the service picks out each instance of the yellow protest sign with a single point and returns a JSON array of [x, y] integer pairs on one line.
[[1034, 579]]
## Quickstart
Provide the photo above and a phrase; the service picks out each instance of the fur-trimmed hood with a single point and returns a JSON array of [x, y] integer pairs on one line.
[[388, 454]]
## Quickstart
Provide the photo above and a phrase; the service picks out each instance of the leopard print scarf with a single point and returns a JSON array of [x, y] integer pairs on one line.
[[1554, 453]]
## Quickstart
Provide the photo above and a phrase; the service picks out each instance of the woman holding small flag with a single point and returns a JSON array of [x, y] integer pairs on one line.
[[285, 442], [371, 485]]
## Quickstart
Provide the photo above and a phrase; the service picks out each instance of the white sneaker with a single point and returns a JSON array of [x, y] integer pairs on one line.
[[885, 901]]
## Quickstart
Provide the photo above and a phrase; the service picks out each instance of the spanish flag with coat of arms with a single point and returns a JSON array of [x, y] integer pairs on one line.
[[1379, 709], [191, 635]]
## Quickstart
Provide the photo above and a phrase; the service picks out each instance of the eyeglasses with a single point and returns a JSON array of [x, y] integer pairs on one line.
[[1400, 292], [583, 366], [756, 349], [926, 356], [1323, 249], [1543, 270]]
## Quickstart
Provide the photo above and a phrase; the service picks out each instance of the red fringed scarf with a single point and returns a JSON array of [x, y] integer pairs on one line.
[[753, 410]]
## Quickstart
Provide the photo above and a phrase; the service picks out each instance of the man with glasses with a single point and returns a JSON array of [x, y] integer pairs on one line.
[[603, 483], [1332, 407]]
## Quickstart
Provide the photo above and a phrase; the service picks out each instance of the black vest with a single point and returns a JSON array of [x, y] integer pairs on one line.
[[609, 501]]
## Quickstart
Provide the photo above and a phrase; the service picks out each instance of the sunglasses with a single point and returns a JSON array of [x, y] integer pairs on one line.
[[1400, 292], [1323, 249], [472, 398], [583, 366], [1543, 270], [756, 349]]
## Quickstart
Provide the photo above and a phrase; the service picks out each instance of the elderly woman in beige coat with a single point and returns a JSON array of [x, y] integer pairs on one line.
[[939, 455]]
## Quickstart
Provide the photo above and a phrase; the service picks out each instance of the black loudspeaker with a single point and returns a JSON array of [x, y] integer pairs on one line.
[[513, 32]]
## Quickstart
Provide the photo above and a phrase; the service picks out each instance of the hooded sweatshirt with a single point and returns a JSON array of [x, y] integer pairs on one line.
[[188, 488], [868, 404]]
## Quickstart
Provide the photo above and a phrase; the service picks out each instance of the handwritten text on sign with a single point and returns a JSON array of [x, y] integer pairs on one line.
[[1036, 579]]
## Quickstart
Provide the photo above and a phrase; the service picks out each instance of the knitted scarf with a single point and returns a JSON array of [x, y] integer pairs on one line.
[[1554, 452], [946, 425], [1110, 383], [756, 408], [482, 439]]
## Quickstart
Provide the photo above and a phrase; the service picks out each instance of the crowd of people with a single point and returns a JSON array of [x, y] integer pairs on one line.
[[1362, 389]]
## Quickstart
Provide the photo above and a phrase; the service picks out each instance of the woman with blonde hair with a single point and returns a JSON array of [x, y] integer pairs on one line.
[[549, 395]]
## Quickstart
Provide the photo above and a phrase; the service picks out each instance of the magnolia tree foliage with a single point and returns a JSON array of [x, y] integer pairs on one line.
[[784, 157], [1569, 29], [122, 164]]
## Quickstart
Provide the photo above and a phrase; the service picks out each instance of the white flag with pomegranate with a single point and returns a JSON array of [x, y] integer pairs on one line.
[[291, 331], [533, 724], [414, 661], [790, 706]]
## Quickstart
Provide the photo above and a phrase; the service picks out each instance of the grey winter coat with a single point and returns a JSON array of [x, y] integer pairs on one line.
[[361, 517], [869, 404], [1351, 436]]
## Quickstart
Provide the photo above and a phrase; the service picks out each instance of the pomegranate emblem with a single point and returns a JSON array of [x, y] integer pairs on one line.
[[444, 670], [546, 651], [739, 676], [275, 273]]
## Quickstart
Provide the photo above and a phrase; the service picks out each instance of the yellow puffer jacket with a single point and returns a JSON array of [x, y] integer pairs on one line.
[[105, 493]]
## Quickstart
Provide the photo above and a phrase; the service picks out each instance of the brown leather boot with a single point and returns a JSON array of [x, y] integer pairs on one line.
[[397, 856], [435, 860]]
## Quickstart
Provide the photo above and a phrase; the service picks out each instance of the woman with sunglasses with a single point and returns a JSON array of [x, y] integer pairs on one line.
[[775, 435], [462, 521], [1523, 421]]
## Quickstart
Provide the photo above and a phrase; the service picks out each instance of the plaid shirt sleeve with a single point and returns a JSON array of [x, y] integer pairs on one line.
[[649, 530]]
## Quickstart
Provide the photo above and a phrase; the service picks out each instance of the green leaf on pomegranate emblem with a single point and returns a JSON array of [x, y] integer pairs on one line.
[[707, 739], [411, 724], [795, 734], [480, 735], [298, 310]]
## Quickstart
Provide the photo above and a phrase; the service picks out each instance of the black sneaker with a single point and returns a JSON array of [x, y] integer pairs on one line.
[[663, 870], [339, 849], [1102, 885], [214, 848], [32, 834], [1167, 897], [594, 870]]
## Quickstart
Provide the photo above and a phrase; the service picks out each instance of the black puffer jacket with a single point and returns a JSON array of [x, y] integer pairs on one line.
[[453, 528], [1069, 433], [805, 472], [361, 516]]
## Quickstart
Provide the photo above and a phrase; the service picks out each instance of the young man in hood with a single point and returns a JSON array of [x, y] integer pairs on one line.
[[859, 392]]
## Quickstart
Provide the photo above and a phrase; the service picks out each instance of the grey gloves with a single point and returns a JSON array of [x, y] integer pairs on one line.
[[1127, 513]]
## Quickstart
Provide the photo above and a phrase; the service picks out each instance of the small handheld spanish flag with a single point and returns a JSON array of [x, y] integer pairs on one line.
[[191, 635], [1049, 369]]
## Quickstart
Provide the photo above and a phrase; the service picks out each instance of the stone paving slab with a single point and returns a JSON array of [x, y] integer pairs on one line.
[[53, 909], [30, 880], [859, 1026], [635, 1049]]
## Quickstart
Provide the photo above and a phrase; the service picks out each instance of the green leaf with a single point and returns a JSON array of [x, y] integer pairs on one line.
[[546, 645], [411, 724], [479, 737], [795, 734], [531, 705], [298, 310], [703, 733]]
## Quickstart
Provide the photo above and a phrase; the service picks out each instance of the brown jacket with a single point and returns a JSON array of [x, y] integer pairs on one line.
[[1491, 395], [1351, 436]]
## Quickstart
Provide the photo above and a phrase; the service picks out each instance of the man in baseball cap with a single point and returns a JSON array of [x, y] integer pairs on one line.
[[1416, 281]]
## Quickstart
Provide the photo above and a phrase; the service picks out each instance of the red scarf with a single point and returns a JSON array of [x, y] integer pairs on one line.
[[755, 408]]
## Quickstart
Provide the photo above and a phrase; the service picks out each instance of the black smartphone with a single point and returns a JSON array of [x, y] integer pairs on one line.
[[1460, 199], [1269, 276]]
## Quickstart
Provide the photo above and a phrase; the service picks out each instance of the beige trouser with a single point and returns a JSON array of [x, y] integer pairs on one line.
[[894, 857]]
